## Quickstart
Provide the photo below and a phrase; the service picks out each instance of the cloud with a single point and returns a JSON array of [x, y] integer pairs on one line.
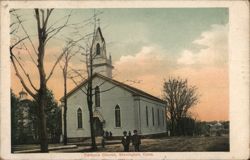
[[214, 43], [148, 66], [148, 60], [152, 64], [206, 69]]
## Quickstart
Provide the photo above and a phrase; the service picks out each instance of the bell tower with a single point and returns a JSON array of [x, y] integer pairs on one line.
[[101, 63]]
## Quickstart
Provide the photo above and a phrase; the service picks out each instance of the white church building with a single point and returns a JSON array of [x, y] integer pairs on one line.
[[117, 107]]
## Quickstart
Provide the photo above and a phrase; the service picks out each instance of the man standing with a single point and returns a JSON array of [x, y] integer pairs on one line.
[[125, 141], [136, 141], [129, 137]]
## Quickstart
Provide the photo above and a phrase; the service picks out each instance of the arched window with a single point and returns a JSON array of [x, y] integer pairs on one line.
[[97, 96], [117, 116], [163, 118], [98, 49], [79, 118], [147, 115], [153, 116]]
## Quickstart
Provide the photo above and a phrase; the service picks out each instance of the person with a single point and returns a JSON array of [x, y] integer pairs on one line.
[[125, 141], [136, 141], [110, 134], [107, 134], [103, 141], [129, 136]]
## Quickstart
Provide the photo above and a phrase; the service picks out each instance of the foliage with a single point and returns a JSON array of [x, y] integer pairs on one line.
[[53, 118], [14, 119], [53, 113]]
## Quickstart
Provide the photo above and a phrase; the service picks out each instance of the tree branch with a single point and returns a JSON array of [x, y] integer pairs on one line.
[[59, 28], [78, 86], [20, 77], [25, 73], [54, 66], [18, 42], [20, 22]]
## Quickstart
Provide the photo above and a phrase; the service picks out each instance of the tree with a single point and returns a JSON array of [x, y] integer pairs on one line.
[[53, 117], [187, 125], [44, 34], [14, 119], [87, 51], [68, 54], [179, 99]]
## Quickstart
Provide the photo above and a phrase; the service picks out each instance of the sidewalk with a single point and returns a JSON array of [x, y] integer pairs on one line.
[[50, 149], [98, 142], [71, 147]]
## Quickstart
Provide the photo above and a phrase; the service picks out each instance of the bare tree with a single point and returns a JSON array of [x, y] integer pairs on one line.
[[179, 98], [68, 53], [44, 34]]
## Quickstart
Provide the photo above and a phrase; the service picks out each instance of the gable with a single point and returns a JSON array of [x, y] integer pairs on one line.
[[133, 90]]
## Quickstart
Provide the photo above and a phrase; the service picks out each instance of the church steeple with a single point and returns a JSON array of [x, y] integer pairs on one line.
[[101, 63]]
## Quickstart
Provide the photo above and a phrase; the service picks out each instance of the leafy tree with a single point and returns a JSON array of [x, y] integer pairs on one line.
[[14, 119], [187, 125], [53, 117]]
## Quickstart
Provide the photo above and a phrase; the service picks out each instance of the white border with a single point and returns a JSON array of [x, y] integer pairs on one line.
[[238, 77]]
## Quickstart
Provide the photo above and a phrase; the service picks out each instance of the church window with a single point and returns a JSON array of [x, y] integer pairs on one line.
[[162, 117], [147, 115], [117, 116], [153, 116], [98, 49], [79, 117], [97, 96], [158, 117]]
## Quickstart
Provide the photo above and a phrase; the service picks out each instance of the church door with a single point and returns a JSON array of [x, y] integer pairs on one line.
[[98, 127]]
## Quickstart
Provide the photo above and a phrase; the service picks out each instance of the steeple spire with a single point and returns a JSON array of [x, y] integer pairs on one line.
[[98, 22], [102, 63]]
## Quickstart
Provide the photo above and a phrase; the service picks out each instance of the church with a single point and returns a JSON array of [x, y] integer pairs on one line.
[[117, 107]]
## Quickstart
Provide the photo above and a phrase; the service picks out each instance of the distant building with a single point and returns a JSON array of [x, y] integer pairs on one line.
[[117, 106], [216, 128], [25, 127]]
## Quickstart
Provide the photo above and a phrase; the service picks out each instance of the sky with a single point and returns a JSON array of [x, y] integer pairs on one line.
[[158, 43]]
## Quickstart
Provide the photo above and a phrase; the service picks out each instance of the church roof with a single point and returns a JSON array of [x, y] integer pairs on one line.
[[133, 90]]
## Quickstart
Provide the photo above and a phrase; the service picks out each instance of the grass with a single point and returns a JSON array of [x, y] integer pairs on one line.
[[178, 144]]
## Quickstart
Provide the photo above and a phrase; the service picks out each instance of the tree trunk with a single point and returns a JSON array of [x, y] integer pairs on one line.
[[65, 139], [172, 130], [42, 123], [90, 103], [42, 93], [92, 132]]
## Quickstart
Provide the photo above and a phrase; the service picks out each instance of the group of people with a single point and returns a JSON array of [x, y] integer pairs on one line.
[[107, 134], [126, 139]]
